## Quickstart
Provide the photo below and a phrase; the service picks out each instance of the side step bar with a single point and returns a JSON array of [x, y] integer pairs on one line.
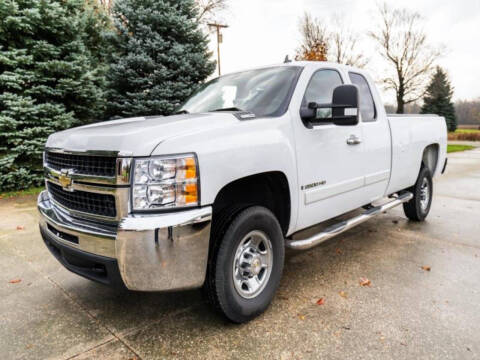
[[343, 226]]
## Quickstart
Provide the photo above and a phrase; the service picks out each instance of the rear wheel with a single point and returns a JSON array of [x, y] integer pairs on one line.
[[418, 208], [246, 264]]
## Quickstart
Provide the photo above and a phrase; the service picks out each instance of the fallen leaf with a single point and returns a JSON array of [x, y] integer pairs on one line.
[[15, 281], [365, 282], [343, 294], [20, 227], [321, 301], [426, 268], [345, 327], [301, 317], [339, 251]]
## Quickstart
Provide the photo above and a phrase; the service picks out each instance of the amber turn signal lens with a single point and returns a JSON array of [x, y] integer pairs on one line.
[[190, 193], [190, 168]]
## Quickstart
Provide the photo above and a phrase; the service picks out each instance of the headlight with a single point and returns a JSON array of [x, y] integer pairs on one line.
[[161, 182]]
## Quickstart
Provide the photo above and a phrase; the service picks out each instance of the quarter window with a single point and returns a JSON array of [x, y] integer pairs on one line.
[[367, 105]]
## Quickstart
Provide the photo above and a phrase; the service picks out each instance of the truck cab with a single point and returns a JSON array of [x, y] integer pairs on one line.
[[211, 196]]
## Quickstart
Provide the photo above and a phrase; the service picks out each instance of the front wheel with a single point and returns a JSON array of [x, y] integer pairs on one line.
[[246, 265], [418, 207]]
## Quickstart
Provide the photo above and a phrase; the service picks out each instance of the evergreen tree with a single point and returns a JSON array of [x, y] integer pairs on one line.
[[159, 56], [438, 99], [50, 79]]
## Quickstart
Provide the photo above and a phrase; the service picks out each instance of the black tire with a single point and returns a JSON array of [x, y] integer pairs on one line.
[[219, 286], [417, 209]]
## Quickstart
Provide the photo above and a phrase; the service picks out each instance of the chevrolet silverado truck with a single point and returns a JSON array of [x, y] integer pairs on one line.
[[210, 197]]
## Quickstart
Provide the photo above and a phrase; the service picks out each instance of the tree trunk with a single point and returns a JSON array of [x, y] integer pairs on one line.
[[400, 98], [400, 106]]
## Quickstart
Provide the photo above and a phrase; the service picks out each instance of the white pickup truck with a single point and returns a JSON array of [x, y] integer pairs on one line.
[[210, 197]]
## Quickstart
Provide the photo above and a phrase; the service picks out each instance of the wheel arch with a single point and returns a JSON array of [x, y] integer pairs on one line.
[[269, 189], [430, 157]]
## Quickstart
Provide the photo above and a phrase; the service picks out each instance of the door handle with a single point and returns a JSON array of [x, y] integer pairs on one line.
[[353, 140]]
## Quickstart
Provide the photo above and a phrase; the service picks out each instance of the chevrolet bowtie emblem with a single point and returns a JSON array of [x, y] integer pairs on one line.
[[64, 179]]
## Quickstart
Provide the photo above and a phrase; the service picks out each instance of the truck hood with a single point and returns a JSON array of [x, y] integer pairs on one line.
[[137, 136]]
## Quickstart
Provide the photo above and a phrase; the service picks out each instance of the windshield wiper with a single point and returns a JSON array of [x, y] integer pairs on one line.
[[182, 112], [228, 109]]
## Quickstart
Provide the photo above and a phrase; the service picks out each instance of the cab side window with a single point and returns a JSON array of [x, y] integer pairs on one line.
[[367, 105], [320, 87]]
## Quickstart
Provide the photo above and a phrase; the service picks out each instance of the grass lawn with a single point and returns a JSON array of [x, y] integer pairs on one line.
[[455, 148], [30, 191], [467, 131]]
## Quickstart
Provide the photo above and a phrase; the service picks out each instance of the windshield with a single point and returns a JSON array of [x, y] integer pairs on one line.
[[264, 92]]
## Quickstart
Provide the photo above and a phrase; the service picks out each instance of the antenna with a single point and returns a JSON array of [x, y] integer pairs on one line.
[[287, 60]]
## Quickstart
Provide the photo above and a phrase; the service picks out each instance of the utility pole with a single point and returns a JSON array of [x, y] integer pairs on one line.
[[219, 41]]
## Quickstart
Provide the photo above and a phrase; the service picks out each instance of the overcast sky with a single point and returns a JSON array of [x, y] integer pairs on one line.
[[262, 32]]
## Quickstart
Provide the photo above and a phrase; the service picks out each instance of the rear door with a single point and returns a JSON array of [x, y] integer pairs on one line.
[[376, 138]]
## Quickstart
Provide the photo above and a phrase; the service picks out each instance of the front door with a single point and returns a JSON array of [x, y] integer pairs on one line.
[[329, 157]]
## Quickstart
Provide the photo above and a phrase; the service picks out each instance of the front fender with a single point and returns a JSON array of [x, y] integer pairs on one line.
[[245, 148]]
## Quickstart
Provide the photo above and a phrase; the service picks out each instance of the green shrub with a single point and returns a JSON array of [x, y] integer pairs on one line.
[[51, 78], [158, 58], [438, 99]]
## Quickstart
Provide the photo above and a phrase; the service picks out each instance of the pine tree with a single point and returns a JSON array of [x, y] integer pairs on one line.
[[159, 56], [51, 78], [438, 99]]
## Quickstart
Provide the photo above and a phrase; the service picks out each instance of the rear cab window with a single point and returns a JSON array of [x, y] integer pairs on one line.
[[367, 105]]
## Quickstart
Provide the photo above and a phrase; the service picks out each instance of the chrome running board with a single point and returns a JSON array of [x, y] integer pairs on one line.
[[343, 226]]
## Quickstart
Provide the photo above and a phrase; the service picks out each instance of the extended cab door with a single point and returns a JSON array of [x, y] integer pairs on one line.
[[376, 137], [330, 158]]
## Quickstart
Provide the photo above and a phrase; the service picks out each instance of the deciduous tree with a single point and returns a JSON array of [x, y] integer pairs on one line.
[[344, 44], [329, 41], [315, 39], [208, 10], [403, 44]]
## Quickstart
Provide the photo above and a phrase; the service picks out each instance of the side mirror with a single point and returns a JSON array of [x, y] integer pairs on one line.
[[342, 111]]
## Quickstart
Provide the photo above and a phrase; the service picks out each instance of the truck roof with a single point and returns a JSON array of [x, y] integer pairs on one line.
[[306, 64]]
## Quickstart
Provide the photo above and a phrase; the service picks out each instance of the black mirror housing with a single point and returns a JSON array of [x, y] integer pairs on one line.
[[344, 108], [345, 105]]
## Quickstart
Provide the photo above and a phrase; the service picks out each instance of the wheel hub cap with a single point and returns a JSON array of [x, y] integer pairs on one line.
[[424, 194], [252, 264]]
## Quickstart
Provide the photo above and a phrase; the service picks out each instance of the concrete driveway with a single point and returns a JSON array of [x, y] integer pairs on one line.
[[406, 312]]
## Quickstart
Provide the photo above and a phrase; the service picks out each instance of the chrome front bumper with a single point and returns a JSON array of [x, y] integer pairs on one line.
[[154, 252]]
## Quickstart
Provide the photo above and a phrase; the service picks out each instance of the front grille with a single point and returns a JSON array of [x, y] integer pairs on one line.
[[82, 164], [87, 202]]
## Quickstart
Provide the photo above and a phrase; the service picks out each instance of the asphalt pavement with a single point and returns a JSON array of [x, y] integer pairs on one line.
[[420, 297]]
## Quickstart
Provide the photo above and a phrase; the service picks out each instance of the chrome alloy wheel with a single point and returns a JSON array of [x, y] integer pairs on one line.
[[424, 194], [252, 264]]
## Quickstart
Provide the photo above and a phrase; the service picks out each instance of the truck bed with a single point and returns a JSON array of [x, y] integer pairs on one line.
[[411, 134]]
